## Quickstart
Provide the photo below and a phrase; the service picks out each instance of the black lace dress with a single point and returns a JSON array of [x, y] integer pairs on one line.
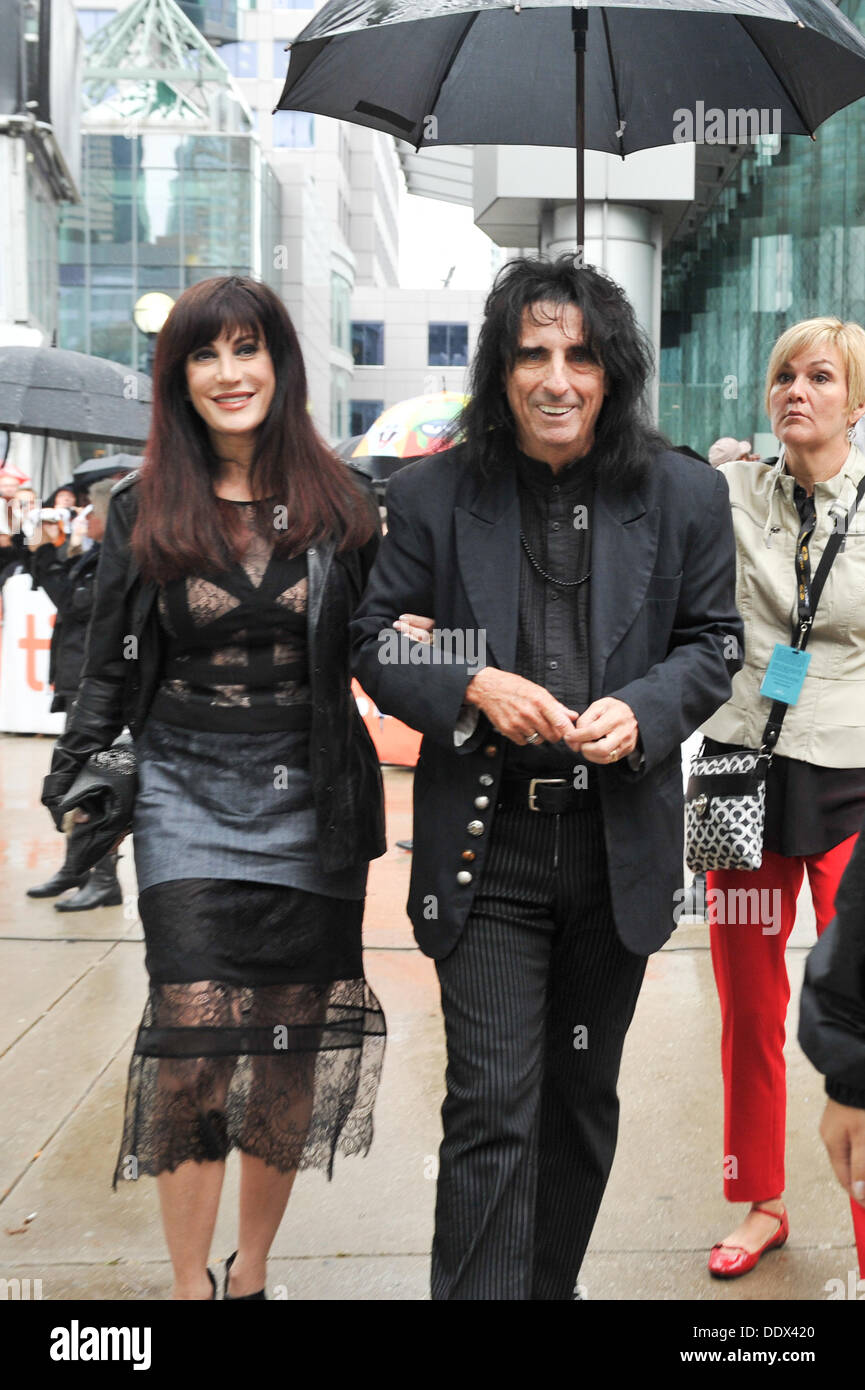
[[260, 1031]]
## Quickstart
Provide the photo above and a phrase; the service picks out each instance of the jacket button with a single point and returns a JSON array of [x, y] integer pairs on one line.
[[490, 750], [468, 855], [481, 803], [475, 827], [464, 877], [486, 780]]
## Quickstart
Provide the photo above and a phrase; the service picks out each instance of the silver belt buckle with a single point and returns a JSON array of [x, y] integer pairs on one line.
[[543, 782]]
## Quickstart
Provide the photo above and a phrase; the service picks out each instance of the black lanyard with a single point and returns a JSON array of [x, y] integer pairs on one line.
[[807, 510], [812, 591]]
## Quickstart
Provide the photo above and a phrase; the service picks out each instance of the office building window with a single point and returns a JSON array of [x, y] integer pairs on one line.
[[91, 20], [294, 130], [363, 414], [340, 385], [241, 59], [367, 344], [340, 313], [448, 344]]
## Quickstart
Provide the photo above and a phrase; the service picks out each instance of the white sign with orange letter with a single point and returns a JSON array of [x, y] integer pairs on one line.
[[25, 695]]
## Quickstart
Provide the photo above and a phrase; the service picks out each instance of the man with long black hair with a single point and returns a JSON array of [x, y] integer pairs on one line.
[[579, 577]]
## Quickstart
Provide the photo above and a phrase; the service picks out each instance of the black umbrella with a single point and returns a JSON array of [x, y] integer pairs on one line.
[[346, 447], [67, 395], [495, 72], [94, 470]]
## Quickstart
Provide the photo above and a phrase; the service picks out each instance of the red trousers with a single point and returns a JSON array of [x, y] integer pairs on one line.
[[751, 916]]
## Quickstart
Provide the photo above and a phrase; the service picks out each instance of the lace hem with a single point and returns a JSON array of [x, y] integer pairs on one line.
[[287, 1073]]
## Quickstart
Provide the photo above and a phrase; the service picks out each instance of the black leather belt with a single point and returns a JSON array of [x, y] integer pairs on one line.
[[553, 796]]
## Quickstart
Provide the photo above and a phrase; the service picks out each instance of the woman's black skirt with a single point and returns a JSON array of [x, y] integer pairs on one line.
[[260, 1032]]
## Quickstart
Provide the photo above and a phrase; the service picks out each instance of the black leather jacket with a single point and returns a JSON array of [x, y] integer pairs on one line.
[[123, 663], [70, 586]]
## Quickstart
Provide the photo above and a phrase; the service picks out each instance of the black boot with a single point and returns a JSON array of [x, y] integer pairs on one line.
[[101, 890], [62, 880]]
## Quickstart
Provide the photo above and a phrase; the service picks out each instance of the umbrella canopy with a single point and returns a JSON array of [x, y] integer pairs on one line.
[[67, 395], [444, 72], [94, 470], [346, 447], [412, 427]]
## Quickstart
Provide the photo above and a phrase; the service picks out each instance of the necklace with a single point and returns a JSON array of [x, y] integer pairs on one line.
[[551, 579]]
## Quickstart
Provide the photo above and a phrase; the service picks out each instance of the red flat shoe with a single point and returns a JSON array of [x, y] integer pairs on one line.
[[729, 1261]]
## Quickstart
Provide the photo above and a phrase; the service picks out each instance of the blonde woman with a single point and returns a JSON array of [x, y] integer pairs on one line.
[[784, 512]]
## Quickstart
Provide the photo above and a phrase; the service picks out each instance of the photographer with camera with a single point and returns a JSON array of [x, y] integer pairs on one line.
[[67, 573]]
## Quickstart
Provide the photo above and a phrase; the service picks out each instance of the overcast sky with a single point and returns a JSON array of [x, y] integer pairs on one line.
[[434, 236]]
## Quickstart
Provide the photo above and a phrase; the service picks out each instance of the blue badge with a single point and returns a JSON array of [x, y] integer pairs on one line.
[[785, 674]]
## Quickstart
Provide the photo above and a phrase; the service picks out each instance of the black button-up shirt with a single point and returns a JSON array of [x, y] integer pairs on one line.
[[553, 624]]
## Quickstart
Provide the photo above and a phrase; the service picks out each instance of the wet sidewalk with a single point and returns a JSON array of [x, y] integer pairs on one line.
[[71, 992]]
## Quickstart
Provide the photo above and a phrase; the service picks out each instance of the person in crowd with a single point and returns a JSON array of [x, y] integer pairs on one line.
[[10, 482], [784, 511], [230, 568], [15, 557], [12, 485], [581, 579], [14, 554], [64, 499], [832, 1035], [69, 582], [726, 449]]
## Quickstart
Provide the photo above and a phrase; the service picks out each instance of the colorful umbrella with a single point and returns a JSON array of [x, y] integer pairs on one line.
[[411, 427]]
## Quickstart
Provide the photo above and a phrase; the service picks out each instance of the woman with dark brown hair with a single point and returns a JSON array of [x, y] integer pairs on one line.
[[231, 565]]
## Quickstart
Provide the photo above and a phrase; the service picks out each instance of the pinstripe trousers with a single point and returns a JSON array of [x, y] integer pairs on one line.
[[537, 997]]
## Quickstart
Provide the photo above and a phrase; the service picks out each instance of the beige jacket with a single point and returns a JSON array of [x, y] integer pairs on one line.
[[827, 724]]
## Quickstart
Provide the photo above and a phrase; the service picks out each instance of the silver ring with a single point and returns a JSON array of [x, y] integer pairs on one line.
[[534, 738]]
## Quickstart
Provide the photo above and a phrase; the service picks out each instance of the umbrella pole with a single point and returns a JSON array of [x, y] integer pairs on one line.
[[579, 24]]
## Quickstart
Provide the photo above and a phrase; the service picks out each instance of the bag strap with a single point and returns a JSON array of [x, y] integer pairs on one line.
[[779, 708]]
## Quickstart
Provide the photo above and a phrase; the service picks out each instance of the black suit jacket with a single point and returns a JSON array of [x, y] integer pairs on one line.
[[665, 637]]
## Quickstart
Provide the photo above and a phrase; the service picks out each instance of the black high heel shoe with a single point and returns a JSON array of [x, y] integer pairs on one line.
[[260, 1297]]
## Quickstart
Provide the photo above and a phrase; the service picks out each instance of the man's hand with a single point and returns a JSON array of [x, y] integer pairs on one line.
[[606, 731], [415, 627], [519, 709], [842, 1130]]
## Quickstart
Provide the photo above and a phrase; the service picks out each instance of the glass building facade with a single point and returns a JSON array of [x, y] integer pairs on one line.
[[159, 212], [174, 187], [785, 241]]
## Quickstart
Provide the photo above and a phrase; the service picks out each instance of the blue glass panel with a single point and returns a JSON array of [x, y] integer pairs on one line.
[[784, 241], [90, 21], [448, 344], [293, 129], [241, 59], [363, 414], [367, 344]]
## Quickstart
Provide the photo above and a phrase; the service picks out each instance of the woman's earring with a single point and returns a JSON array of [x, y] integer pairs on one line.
[[851, 433]]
